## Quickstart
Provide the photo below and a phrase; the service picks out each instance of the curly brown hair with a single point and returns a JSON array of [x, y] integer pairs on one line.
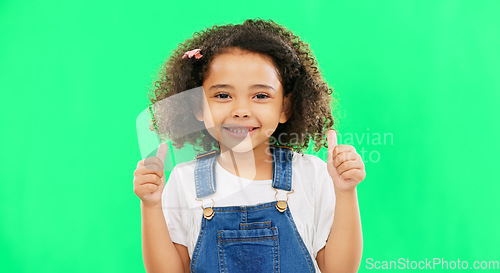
[[297, 68]]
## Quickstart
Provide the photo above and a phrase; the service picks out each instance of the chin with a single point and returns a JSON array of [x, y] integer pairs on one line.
[[244, 146]]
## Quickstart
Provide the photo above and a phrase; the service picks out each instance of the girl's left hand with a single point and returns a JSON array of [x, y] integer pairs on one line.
[[345, 166]]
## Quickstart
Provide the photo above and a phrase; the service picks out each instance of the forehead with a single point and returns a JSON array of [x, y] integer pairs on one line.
[[242, 66]]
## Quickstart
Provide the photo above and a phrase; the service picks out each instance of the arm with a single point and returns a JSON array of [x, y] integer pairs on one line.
[[159, 252], [344, 247]]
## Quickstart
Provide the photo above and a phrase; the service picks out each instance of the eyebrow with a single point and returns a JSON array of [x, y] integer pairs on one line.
[[215, 86]]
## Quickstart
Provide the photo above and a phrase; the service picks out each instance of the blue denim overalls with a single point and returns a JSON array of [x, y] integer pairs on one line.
[[259, 238]]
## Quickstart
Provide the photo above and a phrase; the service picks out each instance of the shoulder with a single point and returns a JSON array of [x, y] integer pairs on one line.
[[183, 169], [307, 161], [181, 176], [311, 169], [179, 185]]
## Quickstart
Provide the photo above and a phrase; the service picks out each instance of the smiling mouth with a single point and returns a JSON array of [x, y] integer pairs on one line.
[[240, 130]]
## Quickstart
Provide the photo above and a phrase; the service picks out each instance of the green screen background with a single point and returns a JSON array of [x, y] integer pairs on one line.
[[74, 76]]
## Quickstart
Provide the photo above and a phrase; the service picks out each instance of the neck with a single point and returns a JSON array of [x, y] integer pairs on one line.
[[255, 164]]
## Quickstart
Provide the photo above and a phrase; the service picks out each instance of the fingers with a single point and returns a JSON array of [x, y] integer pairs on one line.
[[154, 164], [146, 184], [343, 161], [149, 176], [342, 150], [145, 189], [349, 165], [354, 175], [343, 157], [150, 165], [152, 179]]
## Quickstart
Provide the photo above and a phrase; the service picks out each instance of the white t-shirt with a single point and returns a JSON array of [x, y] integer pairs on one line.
[[312, 203]]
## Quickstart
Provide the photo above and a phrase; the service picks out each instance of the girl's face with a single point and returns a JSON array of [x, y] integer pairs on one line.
[[244, 100]]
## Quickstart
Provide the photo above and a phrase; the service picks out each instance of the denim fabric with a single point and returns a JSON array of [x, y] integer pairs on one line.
[[255, 238]]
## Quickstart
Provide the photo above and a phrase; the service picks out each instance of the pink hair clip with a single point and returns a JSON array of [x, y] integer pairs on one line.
[[191, 53]]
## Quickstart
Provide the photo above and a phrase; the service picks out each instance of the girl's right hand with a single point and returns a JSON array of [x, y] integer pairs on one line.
[[149, 178]]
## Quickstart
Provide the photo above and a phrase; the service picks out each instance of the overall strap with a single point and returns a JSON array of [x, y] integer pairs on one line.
[[204, 173], [282, 167]]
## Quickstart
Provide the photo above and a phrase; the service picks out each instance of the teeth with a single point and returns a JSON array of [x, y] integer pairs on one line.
[[239, 131]]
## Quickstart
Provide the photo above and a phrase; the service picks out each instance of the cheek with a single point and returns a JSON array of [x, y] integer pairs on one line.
[[213, 114], [271, 113], [210, 123], [213, 119]]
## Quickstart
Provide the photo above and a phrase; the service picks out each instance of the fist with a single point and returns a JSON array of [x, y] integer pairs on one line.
[[149, 177], [345, 166]]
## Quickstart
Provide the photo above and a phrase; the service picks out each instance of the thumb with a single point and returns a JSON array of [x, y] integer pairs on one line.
[[162, 153], [331, 137]]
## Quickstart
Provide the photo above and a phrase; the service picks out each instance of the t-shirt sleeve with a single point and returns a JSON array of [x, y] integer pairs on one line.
[[174, 206], [324, 206]]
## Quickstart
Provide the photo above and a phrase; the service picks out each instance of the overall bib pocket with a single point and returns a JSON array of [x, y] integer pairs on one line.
[[248, 250]]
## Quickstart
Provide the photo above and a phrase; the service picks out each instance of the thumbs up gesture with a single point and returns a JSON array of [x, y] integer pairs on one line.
[[345, 166], [149, 178]]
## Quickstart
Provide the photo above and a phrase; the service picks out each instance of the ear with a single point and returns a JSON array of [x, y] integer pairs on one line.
[[286, 111], [198, 114]]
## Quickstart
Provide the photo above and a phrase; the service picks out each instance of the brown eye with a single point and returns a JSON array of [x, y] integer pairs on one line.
[[222, 96], [262, 96]]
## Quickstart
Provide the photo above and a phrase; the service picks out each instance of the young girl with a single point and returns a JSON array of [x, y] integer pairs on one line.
[[246, 204]]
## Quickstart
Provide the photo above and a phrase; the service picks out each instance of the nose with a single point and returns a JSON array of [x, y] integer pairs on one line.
[[241, 109]]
